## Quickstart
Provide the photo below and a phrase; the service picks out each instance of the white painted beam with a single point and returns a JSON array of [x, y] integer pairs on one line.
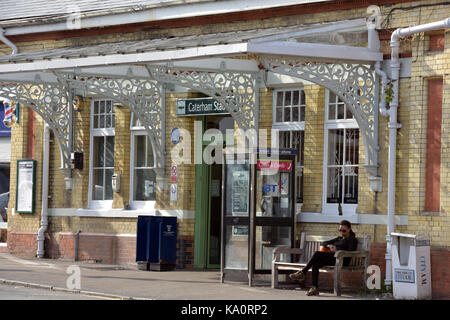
[[315, 50], [132, 58], [31, 77], [314, 29]]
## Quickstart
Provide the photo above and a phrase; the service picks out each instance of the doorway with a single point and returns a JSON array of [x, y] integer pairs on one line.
[[208, 200]]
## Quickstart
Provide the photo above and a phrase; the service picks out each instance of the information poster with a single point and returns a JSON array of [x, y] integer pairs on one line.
[[240, 193], [26, 170]]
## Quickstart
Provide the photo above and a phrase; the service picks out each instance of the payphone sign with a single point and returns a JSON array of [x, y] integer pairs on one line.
[[404, 275], [282, 165]]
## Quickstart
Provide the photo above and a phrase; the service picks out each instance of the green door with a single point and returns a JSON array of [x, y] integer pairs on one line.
[[208, 199]]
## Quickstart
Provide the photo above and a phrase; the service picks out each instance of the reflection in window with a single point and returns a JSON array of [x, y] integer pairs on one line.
[[290, 105], [342, 166], [337, 109], [267, 239], [144, 176], [295, 140], [102, 133], [103, 114], [102, 167]]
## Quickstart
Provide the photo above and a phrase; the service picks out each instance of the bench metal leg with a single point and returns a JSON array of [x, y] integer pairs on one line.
[[274, 277], [337, 282]]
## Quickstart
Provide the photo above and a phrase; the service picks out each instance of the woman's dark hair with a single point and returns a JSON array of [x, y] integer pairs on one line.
[[348, 225]]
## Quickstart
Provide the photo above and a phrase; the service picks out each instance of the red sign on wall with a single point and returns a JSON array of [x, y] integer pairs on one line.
[[173, 174], [282, 165]]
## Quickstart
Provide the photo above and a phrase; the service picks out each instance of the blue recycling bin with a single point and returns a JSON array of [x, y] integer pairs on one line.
[[156, 243]]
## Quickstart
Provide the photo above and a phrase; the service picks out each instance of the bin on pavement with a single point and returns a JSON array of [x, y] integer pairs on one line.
[[156, 242], [411, 266]]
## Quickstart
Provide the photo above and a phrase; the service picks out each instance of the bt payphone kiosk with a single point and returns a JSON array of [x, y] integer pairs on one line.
[[258, 210]]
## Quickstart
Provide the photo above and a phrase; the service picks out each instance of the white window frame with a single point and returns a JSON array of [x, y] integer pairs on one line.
[[286, 125], [348, 209], [148, 205], [278, 126], [97, 132]]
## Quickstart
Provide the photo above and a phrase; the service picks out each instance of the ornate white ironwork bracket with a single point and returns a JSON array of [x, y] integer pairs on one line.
[[142, 96], [355, 83], [51, 102], [236, 91]]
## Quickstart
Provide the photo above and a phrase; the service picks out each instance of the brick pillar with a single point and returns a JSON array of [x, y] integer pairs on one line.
[[122, 155], [81, 133], [313, 158], [433, 155]]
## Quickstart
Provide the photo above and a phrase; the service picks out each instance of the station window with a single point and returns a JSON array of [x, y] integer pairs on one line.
[[143, 175], [289, 121], [341, 157], [295, 140], [102, 151], [289, 105]]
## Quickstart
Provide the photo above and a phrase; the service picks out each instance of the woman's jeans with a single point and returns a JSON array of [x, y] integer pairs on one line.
[[318, 260]]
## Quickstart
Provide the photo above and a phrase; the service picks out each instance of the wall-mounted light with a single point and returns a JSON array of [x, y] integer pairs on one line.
[[76, 102]]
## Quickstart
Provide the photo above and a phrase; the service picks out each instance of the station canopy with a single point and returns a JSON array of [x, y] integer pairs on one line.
[[337, 55]]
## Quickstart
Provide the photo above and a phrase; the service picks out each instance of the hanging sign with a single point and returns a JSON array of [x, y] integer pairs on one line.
[[26, 178], [201, 106]]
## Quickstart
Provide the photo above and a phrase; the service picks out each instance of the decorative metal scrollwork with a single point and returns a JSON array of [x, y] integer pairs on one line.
[[142, 96], [236, 91], [354, 83], [51, 102]]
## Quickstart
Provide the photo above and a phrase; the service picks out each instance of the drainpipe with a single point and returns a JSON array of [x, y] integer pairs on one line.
[[44, 218], [7, 42], [393, 126]]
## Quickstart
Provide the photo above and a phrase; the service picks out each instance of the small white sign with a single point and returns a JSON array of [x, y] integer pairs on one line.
[[173, 192]]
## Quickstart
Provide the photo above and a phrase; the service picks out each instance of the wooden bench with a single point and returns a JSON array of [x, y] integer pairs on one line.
[[309, 244]]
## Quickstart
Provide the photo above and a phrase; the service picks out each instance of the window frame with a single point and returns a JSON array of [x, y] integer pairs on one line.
[[139, 204], [289, 126], [299, 166], [98, 132], [348, 209]]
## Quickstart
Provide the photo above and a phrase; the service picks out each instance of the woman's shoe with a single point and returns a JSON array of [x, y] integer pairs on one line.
[[313, 291], [297, 276]]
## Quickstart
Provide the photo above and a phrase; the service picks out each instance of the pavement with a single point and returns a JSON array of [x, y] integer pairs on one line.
[[129, 283]]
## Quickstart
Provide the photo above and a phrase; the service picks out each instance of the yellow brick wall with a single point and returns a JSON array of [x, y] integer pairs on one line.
[[411, 137], [80, 192], [122, 152], [19, 132], [314, 140], [186, 172]]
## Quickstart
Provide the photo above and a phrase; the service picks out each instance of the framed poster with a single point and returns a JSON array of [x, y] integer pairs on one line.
[[240, 193], [26, 180]]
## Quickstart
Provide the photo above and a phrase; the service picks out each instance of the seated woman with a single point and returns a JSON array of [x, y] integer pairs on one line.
[[347, 241]]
